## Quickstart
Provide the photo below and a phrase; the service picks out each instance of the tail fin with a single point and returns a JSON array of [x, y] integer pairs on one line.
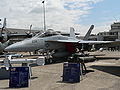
[[72, 32], [88, 33], [4, 23]]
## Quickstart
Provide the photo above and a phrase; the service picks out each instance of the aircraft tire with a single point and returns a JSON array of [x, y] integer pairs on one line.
[[50, 61]]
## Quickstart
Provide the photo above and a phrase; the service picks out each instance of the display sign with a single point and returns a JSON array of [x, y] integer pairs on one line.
[[71, 72], [19, 77]]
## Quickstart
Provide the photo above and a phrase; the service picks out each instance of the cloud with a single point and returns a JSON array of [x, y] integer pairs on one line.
[[60, 14]]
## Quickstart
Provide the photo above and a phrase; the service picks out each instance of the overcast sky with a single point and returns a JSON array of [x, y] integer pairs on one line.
[[61, 14]]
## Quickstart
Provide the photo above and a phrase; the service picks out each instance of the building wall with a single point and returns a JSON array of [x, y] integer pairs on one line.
[[112, 35]]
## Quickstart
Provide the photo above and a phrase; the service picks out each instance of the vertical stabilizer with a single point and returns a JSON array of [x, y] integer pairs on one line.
[[88, 33], [72, 32], [4, 23]]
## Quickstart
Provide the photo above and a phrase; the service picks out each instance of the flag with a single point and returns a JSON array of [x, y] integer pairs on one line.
[[42, 1], [0, 22]]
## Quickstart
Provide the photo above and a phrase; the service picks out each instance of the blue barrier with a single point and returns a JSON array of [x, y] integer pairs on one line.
[[71, 72], [19, 77]]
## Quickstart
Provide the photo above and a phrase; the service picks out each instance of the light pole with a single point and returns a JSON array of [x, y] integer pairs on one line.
[[44, 15]]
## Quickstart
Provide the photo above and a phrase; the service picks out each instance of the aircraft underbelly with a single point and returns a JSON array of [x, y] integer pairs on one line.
[[70, 47], [61, 49]]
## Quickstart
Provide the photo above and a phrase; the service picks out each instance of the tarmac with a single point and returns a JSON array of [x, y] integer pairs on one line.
[[102, 75]]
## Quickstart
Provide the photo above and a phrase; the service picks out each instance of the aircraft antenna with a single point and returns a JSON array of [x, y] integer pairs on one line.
[[44, 15]]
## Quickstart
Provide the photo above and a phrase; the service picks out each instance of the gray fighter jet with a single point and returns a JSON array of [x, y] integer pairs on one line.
[[58, 45]]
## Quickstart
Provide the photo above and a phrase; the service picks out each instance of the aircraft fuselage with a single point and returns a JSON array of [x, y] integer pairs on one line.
[[36, 43]]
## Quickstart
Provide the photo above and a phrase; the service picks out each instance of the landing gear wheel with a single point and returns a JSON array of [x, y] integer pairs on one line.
[[50, 61], [46, 61]]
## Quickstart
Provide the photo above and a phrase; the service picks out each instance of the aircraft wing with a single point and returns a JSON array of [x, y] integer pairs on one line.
[[82, 41], [95, 42], [65, 41]]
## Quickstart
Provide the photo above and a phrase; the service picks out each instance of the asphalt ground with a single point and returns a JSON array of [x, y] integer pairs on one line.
[[102, 75]]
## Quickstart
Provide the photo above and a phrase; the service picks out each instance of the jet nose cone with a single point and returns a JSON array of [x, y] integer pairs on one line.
[[6, 49], [18, 47], [11, 48]]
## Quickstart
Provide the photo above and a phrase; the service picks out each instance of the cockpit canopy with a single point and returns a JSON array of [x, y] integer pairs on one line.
[[47, 33]]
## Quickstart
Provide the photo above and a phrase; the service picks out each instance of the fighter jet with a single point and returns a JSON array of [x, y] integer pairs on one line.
[[41, 41], [58, 45]]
